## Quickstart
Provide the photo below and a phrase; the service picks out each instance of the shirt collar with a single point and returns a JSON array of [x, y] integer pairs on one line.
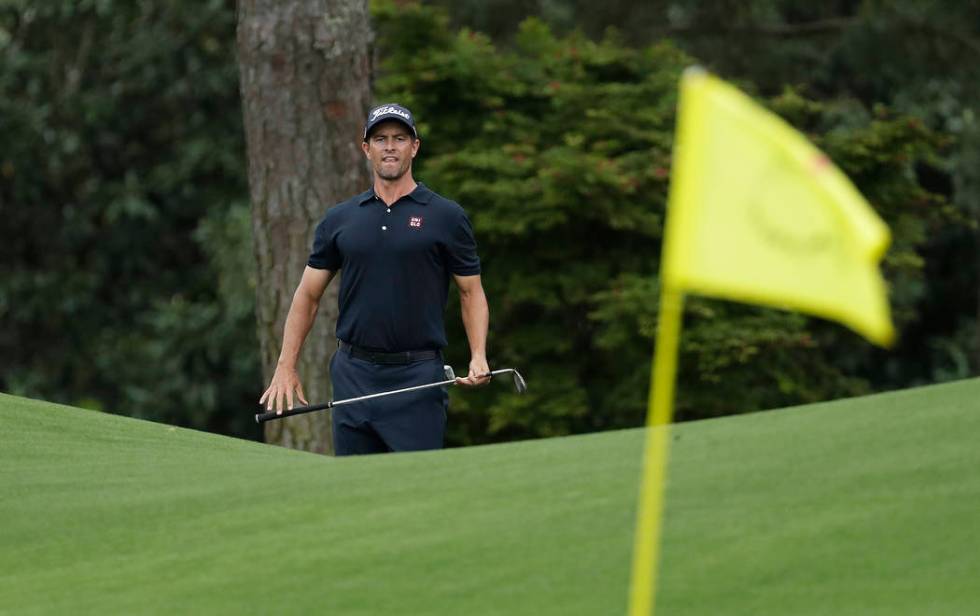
[[421, 195], [365, 196]]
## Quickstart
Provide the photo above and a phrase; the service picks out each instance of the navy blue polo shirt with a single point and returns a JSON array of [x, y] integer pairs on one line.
[[395, 265]]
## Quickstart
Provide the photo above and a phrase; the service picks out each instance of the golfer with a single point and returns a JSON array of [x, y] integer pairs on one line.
[[396, 246]]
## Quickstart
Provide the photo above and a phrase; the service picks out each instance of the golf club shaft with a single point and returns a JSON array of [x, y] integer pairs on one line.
[[261, 417]]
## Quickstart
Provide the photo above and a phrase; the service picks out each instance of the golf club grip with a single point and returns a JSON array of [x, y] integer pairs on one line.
[[262, 417]]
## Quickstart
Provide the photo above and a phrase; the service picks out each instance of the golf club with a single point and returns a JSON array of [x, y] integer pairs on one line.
[[520, 385]]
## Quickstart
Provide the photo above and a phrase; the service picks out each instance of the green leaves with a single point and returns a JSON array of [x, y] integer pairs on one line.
[[126, 274], [560, 150], [121, 160]]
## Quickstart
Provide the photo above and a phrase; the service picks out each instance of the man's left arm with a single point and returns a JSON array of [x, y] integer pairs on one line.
[[476, 321]]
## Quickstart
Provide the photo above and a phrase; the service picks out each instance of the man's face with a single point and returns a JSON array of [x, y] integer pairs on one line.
[[391, 147]]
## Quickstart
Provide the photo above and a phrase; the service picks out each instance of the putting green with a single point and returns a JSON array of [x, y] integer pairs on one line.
[[859, 506]]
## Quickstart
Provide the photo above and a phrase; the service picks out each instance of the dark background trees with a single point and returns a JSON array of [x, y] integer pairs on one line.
[[560, 147], [919, 58], [127, 274], [125, 266]]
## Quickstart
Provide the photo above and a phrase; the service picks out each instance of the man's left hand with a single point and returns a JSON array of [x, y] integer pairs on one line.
[[478, 367]]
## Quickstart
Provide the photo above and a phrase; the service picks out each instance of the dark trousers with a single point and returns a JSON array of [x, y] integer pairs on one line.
[[411, 421]]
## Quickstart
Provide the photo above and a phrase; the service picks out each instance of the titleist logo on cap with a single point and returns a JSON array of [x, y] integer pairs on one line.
[[393, 110]]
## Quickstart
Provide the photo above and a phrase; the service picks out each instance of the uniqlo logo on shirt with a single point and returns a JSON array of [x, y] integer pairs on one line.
[[415, 222]]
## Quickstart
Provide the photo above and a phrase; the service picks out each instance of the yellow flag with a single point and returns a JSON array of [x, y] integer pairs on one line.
[[755, 214], [758, 214]]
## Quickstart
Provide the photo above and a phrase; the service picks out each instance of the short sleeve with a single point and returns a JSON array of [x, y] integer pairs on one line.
[[463, 259], [325, 253]]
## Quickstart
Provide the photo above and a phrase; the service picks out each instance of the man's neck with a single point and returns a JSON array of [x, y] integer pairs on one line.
[[392, 190]]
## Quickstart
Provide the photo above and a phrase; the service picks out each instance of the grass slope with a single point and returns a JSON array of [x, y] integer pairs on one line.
[[862, 506]]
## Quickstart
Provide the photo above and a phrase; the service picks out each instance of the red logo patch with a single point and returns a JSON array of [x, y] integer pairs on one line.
[[415, 222]]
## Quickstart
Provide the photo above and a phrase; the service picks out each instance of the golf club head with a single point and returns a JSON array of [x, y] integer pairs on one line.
[[450, 374], [519, 383]]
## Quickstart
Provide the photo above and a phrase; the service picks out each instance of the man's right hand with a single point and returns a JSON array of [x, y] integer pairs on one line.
[[280, 391]]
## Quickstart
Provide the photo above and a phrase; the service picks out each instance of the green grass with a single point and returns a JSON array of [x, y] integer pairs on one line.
[[864, 506]]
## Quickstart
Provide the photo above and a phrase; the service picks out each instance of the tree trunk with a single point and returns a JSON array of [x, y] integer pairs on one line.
[[305, 68]]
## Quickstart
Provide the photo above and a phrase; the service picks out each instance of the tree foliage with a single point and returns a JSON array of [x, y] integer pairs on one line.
[[919, 58], [124, 272], [559, 147]]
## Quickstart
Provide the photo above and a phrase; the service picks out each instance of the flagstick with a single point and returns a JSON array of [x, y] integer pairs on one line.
[[646, 546]]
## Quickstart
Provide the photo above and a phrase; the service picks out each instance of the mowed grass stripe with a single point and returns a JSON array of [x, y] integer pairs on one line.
[[857, 506], [125, 515], [864, 506]]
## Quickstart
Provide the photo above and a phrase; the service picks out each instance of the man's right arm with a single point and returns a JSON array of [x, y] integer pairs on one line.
[[299, 321]]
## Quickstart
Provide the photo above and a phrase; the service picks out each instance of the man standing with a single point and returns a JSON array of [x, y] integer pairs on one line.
[[396, 245]]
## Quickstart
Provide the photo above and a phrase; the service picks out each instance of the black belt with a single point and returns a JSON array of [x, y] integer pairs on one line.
[[376, 357]]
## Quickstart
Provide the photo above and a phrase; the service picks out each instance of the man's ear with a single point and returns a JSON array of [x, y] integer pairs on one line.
[[366, 149]]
